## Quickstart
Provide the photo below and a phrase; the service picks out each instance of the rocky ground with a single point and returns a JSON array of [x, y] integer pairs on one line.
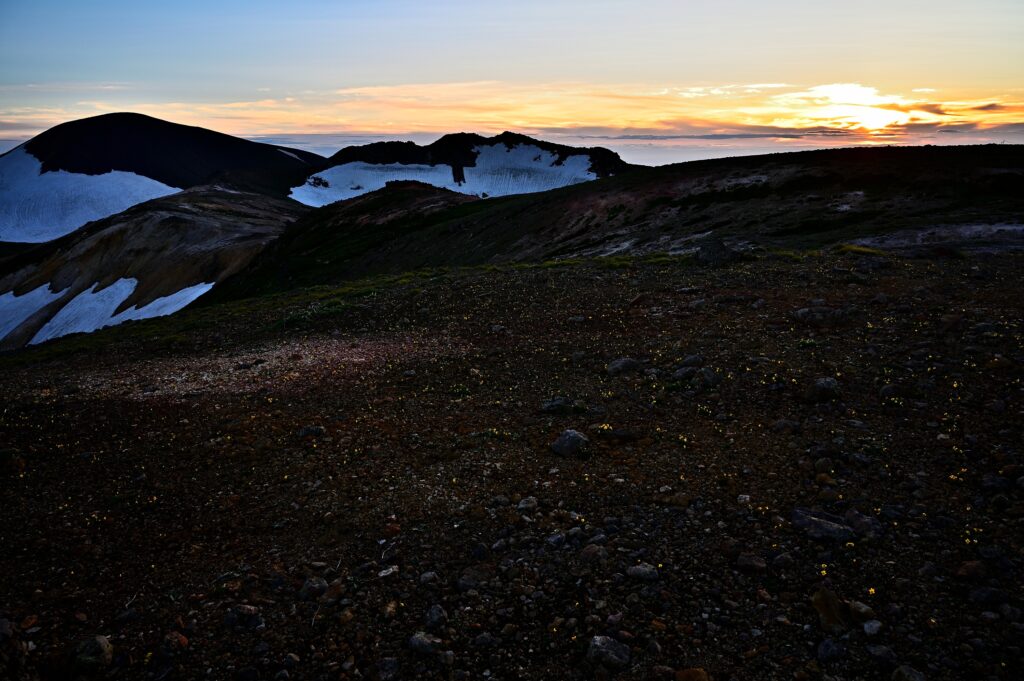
[[785, 468]]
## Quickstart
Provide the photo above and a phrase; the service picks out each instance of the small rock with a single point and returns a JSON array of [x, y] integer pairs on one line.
[[751, 562], [644, 572], [783, 561], [824, 389], [623, 365], [684, 374], [606, 651], [872, 627], [864, 525], [485, 640], [557, 405], [313, 587], [830, 650], [423, 643], [571, 443], [906, 673], [94, 653], [988, 596], [436, 617], [311, 431], [861, 612], [882, 653], [527, 505], [388, 669], [819, 525], [832, 612]]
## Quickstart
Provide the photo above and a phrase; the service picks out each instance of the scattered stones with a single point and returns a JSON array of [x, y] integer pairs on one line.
[[422, 510]]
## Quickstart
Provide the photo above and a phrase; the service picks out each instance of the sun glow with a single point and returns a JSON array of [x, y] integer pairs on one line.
[[835, 113]]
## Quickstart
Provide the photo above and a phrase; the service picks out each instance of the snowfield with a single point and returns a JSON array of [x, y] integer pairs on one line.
[[16, 309], [499, 171], [37, 206], [94, 309]]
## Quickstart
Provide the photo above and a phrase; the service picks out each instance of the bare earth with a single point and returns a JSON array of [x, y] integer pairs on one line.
[[268, 503]]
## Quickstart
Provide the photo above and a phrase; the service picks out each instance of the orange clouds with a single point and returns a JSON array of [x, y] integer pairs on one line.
[[761, 109]]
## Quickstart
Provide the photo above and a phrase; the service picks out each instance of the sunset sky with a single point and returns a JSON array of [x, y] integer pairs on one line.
[[656, 80]]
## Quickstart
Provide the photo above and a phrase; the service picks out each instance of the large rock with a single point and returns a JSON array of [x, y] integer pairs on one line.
[[713, 252]]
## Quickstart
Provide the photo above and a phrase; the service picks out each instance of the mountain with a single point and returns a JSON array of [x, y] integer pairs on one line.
[[505, 164], [148, 261], [224, 244], [793, 200], [92, 168]]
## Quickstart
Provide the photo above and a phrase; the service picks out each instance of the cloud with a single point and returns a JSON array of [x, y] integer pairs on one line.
[[662, 113]]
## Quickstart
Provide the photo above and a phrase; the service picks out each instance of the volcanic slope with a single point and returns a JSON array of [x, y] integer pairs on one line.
[[793, 200], [92, 168], [150, 260]]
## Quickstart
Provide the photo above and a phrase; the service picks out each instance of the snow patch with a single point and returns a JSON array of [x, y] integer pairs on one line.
[[37, 206], [169, 304], [94, 309], [1006, 233], [288, 153], [16, 309], [499, 171]]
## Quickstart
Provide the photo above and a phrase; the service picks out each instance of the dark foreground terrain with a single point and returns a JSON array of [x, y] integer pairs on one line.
[[810, 467]]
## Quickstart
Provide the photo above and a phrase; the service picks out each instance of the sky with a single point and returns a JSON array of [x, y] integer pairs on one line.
[[658, 81]]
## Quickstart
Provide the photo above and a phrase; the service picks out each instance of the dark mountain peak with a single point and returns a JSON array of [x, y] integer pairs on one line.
[[174, 154], [459, 151]]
